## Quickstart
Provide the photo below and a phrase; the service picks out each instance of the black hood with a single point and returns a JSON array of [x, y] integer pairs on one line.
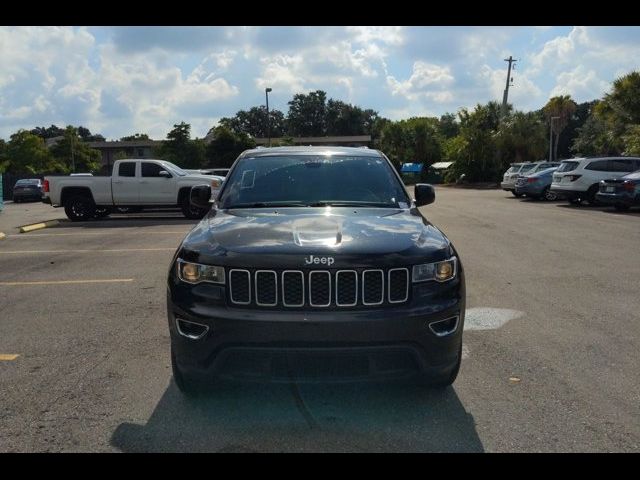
[[285, 237]]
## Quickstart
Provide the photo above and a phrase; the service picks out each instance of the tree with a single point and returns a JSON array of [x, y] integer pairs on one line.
[[521, 137], [26, 153], [136, 136], [474, 150], [632, 141], [74, 154], [52, 131], [624, 98], [563, 107], [415, 140], [345, 119], [226, 146], [253, 122], [178, 148], [448, 127], [307, 112]]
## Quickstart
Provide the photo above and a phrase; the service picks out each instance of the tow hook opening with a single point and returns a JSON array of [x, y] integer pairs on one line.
[[442, 328], [191, 330]]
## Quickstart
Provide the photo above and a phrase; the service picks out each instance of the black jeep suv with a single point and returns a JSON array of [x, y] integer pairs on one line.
[[314, 264]]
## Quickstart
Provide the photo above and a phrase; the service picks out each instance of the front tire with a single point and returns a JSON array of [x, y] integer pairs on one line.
[[191, 211], [517, 195], [79, 208]]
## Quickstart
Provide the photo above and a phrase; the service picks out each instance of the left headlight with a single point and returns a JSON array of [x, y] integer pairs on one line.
[[438, 271], [196, 273]]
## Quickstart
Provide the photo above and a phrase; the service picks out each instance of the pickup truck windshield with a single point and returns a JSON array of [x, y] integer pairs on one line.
[[318, 180], [174, 168]]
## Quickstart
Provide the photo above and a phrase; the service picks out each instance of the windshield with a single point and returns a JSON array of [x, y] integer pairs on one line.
[[317, 180], [567, 166], [27, 182], [526, 168], [633, 175], [174, 168]]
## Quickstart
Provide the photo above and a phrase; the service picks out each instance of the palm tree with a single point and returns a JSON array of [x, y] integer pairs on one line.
[[562, 107]]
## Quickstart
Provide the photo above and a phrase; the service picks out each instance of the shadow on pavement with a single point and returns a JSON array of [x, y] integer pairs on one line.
[[131, 220], [633, 212], [298, 418]]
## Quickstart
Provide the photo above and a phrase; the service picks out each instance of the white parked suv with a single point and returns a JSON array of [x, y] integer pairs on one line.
[[578, 179]]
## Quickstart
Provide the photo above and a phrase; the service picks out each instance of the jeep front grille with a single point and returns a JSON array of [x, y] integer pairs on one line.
[[318, 288]]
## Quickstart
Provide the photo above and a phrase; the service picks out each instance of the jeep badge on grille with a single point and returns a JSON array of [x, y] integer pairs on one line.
[[311, 260]]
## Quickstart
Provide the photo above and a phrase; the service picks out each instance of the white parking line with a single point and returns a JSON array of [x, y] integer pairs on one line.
[[104, 250], [485, 318], [66, 282]]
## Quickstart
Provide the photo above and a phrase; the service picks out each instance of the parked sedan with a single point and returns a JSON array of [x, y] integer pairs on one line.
[[622, 192], [537, 185], [27, 189]]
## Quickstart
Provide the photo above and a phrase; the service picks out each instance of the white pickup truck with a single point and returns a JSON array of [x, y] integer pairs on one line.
[[134, 185]]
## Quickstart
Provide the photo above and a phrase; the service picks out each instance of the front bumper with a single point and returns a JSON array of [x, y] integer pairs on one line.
[[508, 186], [566, 193], [311, 345]]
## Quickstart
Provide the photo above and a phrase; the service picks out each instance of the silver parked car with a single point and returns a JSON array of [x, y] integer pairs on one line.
[[510, 176]]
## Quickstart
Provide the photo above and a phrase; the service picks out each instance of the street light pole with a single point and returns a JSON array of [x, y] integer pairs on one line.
[[266, 94], [551, 137]]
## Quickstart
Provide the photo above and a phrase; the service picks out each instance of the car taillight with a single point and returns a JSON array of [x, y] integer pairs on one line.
[[532, 180], [628, 186], [45, 186], [573, 178]]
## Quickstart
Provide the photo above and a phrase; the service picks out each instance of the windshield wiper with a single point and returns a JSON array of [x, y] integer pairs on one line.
[[266, 204], [338, 203]]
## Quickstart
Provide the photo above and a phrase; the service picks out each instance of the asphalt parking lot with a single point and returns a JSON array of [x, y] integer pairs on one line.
[[550, 348]]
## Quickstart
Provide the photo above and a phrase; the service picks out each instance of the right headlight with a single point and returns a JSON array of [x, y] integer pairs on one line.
[[195, 272], [438, 271]]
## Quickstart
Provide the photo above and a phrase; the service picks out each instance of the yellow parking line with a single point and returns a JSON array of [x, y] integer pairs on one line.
[[66, 282], [8, 356], [104, 250]]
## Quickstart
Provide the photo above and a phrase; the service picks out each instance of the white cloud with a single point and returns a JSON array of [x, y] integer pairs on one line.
[[426, 81], [385, 34], [581, 83]]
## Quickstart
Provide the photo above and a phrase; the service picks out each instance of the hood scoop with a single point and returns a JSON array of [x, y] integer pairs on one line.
[[317, 231]]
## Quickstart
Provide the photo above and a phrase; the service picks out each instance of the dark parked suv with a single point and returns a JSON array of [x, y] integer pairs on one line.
[[314, 264]]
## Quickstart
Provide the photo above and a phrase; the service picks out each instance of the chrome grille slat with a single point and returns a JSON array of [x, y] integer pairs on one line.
[[319, 288], [340, 293]]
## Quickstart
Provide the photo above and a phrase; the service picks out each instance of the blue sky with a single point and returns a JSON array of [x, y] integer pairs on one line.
[[122, 80]]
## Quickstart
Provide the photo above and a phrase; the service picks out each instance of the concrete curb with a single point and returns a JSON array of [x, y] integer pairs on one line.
[[38, 226]]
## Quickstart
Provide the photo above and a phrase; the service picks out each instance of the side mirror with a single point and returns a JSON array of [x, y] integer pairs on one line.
[[425, 194], [200, 196], [164, 173]]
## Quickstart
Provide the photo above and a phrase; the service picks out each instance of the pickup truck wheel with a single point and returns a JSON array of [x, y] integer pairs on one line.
[[191, 211], [79, 208]]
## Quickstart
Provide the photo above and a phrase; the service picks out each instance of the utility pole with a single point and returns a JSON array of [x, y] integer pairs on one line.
[[266, 94], [551, 137], [506, 88]]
